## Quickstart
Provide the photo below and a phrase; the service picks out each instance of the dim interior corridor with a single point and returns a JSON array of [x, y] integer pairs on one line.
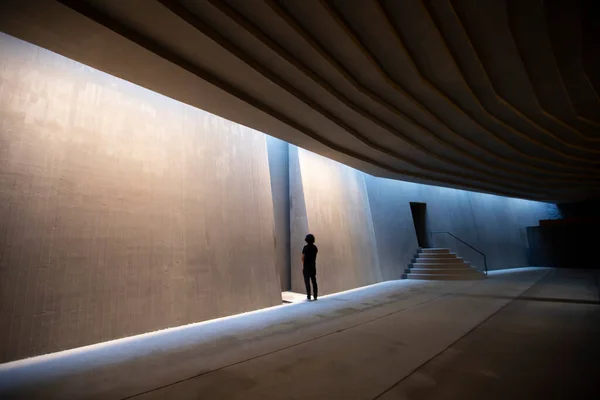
[[521, 334]]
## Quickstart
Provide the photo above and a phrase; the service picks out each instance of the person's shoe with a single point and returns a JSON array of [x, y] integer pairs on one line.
[[308, 297], [315, 297]]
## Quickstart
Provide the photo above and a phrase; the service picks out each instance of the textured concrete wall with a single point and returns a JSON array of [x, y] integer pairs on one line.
[[280, 189], [365, 230], [337, 211], [299, 227], [394, 228], [121, 211], [495, 225]]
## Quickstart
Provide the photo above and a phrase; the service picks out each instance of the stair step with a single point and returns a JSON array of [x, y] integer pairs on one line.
[[437, 255], [438, 265], [447, 277], [432, 250], [425, 260], [466, 270]]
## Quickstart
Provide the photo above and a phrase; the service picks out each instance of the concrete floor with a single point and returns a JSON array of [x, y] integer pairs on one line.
[[521, 334]]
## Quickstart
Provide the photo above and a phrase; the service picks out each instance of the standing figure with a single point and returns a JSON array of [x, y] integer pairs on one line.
[[309, 265]]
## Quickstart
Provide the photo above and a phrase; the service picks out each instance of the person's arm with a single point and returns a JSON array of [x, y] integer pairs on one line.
[[303, 251], [302, 258]]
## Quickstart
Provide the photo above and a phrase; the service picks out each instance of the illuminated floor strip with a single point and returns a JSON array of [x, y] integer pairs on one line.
[[132, 340], [62, 365]]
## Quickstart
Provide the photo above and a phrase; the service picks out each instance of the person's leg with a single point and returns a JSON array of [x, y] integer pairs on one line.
[[313, 278], [307, 283]]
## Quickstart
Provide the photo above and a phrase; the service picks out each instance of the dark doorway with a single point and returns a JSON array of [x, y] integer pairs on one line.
[[419, 215]]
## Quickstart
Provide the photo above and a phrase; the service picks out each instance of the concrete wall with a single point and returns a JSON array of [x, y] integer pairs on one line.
[[493, 224], [298, 220], [121, 211], [278, 151], [333, 205], [365, 230]]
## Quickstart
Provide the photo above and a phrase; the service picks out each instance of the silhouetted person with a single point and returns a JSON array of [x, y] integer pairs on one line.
[[309, 265]]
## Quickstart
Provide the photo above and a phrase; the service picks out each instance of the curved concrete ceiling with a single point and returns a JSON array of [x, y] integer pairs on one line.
[[495, 96]]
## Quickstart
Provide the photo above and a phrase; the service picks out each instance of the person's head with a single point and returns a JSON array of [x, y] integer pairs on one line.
[[310, 238]]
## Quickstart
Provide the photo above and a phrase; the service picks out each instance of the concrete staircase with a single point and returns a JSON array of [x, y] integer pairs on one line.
[[440, 264]]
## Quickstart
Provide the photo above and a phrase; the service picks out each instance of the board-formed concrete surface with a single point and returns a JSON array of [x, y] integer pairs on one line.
[[491, 224], [337, 211], [278, 152], [366, 234], [121, 210], [394, 340]]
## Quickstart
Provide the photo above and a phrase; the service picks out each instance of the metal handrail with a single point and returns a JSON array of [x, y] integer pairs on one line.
[[466, 244]]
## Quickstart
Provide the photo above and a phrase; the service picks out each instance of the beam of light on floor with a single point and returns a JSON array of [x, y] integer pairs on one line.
[[243, 327]]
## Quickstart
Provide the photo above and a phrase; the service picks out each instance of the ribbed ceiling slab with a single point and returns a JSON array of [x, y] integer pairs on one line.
[[488, 96]]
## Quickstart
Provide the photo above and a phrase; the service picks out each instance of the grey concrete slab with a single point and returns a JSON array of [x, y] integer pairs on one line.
[[354, 344], [534, 348]]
